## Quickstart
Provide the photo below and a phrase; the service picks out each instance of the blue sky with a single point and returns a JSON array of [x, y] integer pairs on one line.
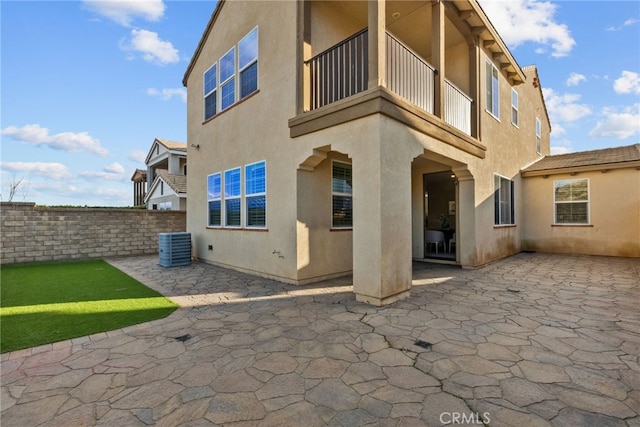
[[86, 86]]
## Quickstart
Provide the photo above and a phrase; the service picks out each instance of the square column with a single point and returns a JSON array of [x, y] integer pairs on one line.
[[377, 48]]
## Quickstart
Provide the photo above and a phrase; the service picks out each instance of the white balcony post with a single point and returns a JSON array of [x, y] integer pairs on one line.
[[377, 44], [437, 26]]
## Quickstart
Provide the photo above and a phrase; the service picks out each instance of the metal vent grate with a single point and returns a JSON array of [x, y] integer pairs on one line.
[[175, 249]]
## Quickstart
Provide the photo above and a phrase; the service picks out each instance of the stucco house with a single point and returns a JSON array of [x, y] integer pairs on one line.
[[166, 175], [586, 202], [333, 137]]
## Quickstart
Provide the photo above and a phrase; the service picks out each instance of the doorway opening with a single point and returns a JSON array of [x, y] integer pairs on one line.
[[440, 216]]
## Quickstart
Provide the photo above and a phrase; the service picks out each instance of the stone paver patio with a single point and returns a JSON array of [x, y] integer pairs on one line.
[[535, 340]]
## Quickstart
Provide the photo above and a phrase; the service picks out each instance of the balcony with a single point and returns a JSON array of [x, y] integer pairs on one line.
[[342, 71]]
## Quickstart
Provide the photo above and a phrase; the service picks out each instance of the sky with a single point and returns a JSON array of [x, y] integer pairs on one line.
[[86, 86]]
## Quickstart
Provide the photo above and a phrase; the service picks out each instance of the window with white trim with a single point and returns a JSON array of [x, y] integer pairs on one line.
[[255, 176], [514, 107], [493, 89], [571, 201], [342, 195], [538, 135], [210, 92], [214, 199], [228, 79], [503, 198], [232, 197], [248, 63]]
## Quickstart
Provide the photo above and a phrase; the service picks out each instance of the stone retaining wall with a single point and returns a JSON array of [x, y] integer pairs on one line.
[[34, 234]]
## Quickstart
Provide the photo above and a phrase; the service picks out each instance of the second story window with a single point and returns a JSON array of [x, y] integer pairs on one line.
[[538, 135], [493, 90], [227, 79], [210, 92], [514, 107], [248, 63]]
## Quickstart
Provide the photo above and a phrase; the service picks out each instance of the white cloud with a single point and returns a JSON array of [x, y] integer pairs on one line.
[[151, 47], [137, 156], [629, 82], [65, 141], [520, 21], [113, 172], [124, 12], [54, 171], [618, 124], [167, 94], [626, 23], [562, 146], [564, 108], [575, 79]]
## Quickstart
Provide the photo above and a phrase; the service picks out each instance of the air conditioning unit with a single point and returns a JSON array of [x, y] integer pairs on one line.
[[175, 249]]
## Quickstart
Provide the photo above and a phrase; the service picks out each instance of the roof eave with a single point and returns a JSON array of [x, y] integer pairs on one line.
[[603, 167], [205, 35]]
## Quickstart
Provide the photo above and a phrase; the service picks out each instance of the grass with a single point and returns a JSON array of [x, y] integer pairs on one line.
[[46, 303]]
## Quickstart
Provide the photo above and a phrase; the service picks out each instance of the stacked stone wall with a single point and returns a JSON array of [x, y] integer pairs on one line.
[[30, 233]]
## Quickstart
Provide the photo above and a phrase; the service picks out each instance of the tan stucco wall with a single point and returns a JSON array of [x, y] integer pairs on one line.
[[614, 207]]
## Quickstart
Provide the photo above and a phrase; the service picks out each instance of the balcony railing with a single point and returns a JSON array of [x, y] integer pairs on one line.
[[457, 108], [342, 71]]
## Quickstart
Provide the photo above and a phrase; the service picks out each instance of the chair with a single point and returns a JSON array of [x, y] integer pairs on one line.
[[436, 237], [452, 241]]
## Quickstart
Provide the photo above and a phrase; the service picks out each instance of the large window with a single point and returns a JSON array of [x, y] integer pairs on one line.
[[256, 194], [493, 90], [232, 197], [229, 76], [248, 63], [214, 198], [514, 107], [342, 198], [503, 200], [210, 92], [571, 200]]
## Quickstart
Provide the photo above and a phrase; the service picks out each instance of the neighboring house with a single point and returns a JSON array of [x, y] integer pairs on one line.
[[139, 180], [586, 202], [331, 135], [166, 175]]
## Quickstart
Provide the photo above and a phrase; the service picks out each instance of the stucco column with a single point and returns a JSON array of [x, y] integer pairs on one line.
[[466, 226], [377, 46], [382, 233], [437, 56]]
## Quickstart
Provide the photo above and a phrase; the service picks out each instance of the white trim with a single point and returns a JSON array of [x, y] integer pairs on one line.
[[344, 227], [225, 198], [246, 196], [588, 202]]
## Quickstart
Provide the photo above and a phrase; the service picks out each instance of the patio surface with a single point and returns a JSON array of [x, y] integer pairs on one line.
[[533, 340]]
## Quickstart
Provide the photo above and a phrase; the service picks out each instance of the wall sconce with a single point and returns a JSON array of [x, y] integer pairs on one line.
[[196, 146]]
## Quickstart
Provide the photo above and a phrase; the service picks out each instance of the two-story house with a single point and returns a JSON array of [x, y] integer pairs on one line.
[[334, 136], [166, 175]]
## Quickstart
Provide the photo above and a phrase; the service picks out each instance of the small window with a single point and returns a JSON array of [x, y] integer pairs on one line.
[[514, 107], [342, 198], [214, 198], [503, 200], [210, 92], [493, 90], [248, 63], [538, 135], [256, 194], [571, 200], [227, 79], [232, 197]]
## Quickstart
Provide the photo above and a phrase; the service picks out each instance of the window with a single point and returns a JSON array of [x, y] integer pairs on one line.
[[342, 199], [571, 200], [232, 197], [165, 206], [214, 197], [227, 79], [248, 63], [210, 92], [514, 107], [256, 194], [493, 90], [503, 199], [538, 134]]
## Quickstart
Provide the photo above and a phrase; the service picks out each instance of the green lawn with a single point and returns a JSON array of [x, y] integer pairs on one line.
[[46, 303]]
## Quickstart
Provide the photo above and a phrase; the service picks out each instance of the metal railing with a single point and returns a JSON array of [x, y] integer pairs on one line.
[[457, 108], [408, 75], [340, 71]]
